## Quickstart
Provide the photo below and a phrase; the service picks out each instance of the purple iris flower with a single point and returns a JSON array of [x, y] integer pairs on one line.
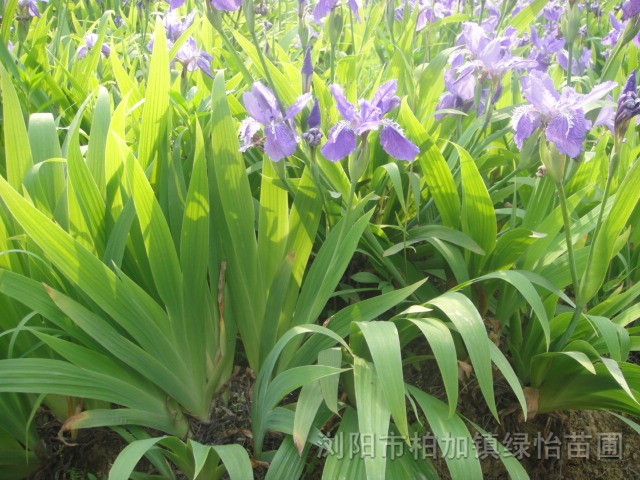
[[173, 4], [489, 58], [429, 11], [611, 39], [544, 48], [176, 26], [628, 105], [226, 5], [561, 115], [411, 5], [606, 116], [191, 57], [553, 11], [90, 40], [482, 59], [579, 64], [264, 113], [313, 135], [630, 8], [324, 8], [30, 7], [342, 137]]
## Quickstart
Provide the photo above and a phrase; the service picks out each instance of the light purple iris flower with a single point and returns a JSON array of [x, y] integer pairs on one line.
[[611, 39], [482, 59], [176, 26], [264, 113], [429, 11], [173, 4], [30, 7], [561, 115], [342, 137], [324, 8], [630, 8], [191, 57], [628, 105], [90, 40], [226, 5], [553, 11], [489, 58], [579, 64], [313, 135], [545, 47]]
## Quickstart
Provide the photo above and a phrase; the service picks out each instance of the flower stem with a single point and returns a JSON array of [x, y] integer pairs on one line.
[[570, 329], [263, 62], [572, 267], [569, 62], [567, 231]]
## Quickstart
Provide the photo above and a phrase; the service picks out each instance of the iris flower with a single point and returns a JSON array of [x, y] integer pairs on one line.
[[342, 137], [176, 26], [264, 113], [630, 8], [628, 105], [191, 57], [482, 59], [90, 40], [228, 5], [579, 64], [30, 7], [545, 47], [561, 115], [324, 8]]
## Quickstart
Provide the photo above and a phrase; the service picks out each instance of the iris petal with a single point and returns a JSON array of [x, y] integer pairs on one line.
[[341, 142]]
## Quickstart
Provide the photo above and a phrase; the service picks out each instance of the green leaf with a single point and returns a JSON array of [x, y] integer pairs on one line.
[[443, 347], [523, 19], [469, 324], [16, 141], [462, 464], [384, 345], [428, 232], [478, 215], [153, 132], [243, 268], [373, 417], [98, 139], [434, 168], [602, 249], [328, 267], [307, 407]]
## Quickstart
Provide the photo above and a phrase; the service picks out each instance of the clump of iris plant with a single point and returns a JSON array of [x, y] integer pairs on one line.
[[90, 40], [280, 138], [343, 136], [560, 115]]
